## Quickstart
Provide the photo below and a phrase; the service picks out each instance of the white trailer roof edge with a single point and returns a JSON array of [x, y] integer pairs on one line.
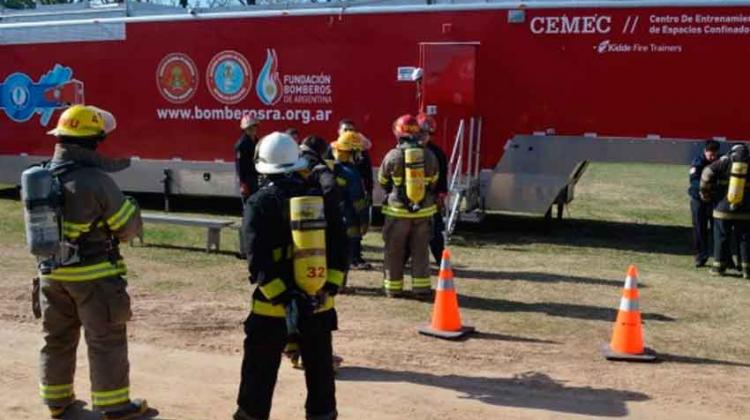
[[354, 10]]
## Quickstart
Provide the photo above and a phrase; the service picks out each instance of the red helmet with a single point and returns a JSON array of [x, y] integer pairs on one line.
[[406, 126], [426, 122]]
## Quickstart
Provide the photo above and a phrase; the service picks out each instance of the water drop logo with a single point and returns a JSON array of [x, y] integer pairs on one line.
[[268, 87]]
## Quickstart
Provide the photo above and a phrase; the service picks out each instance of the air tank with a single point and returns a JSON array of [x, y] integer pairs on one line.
[[40, 201]]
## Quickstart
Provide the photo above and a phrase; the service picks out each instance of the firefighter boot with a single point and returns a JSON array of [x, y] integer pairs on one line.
[[135, 409], [337, 360], [241, 414], [291, 351], [718, 269], [59, 412]]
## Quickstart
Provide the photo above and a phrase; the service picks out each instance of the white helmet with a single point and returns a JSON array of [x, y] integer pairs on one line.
[[278, 153]]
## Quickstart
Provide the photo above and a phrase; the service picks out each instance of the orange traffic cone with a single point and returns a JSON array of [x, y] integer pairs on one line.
[[627, 336], [446, 319]]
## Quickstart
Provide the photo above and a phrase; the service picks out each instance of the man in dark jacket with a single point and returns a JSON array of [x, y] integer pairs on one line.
[[283, 300], [244, 151], [701, 211]]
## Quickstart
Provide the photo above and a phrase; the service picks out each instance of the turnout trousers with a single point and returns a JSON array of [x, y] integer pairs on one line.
[[702, 225], [724, 230], [102, 307], [400, 235], [265, 339]]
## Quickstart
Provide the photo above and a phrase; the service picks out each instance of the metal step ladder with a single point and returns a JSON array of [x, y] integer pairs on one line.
[[464, 201]]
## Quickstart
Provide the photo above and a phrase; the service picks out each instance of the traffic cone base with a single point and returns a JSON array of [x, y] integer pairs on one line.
[[648, 355], [449, 335], [446, 317]]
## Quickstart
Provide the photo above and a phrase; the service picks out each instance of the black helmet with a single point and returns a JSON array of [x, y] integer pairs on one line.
[[739, 153]]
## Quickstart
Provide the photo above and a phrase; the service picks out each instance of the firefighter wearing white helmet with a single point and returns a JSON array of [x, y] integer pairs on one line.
[[81, 276], [733, 209], [408, 175], [297, 260]]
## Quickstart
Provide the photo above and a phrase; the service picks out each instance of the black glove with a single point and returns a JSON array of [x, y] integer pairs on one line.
[[306, 304], [330, 289]]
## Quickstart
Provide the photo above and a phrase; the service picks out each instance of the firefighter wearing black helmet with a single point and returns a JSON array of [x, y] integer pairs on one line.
[[408, 175], [733, 209], [297, 259]]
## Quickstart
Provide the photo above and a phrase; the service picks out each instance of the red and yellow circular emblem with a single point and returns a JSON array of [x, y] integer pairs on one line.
[[177, 78]]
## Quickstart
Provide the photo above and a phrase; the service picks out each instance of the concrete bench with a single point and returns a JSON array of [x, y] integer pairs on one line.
[[214, 226]]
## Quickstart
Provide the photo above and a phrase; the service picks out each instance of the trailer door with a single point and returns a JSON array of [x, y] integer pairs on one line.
[[448, 86]]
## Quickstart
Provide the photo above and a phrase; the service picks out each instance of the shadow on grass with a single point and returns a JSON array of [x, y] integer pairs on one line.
[[521, 230], [673, 358], [480, 335], [187, 249], [527, 390], [535, 277], [565, 310]]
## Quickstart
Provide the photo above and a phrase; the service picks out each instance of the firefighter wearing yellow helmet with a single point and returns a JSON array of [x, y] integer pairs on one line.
[[352, 185], [82, 281], [408, 175], [297, 258]]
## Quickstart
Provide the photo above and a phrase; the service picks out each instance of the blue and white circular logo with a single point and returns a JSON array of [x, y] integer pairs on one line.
[[229, 77], [16, 97]]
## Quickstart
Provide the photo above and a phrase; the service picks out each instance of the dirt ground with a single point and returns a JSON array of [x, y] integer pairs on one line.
[[185, 356]]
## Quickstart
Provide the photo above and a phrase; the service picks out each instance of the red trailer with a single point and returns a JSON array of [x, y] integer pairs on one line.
[[525, 94]]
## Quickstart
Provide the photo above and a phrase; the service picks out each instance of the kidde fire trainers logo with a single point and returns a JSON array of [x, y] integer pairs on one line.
[[229, 77], [268, 87], [177, 78], [607, 46]]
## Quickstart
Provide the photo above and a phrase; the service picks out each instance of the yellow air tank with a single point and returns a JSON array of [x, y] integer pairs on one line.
[[414, 174], [736, 192], [309, 237]]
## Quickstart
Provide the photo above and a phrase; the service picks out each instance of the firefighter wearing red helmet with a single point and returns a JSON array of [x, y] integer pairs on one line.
[[408, 175]]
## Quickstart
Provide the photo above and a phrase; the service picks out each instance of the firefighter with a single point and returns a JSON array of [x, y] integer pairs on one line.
[[296, 282], [244, 150], [733, 209], [700, 211], [363, 163], [408, 175], [437, 243], [88, 289], [355, 199]]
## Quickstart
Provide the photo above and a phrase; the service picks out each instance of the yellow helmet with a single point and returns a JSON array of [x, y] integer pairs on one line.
[[348, 141], [84, 121]]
